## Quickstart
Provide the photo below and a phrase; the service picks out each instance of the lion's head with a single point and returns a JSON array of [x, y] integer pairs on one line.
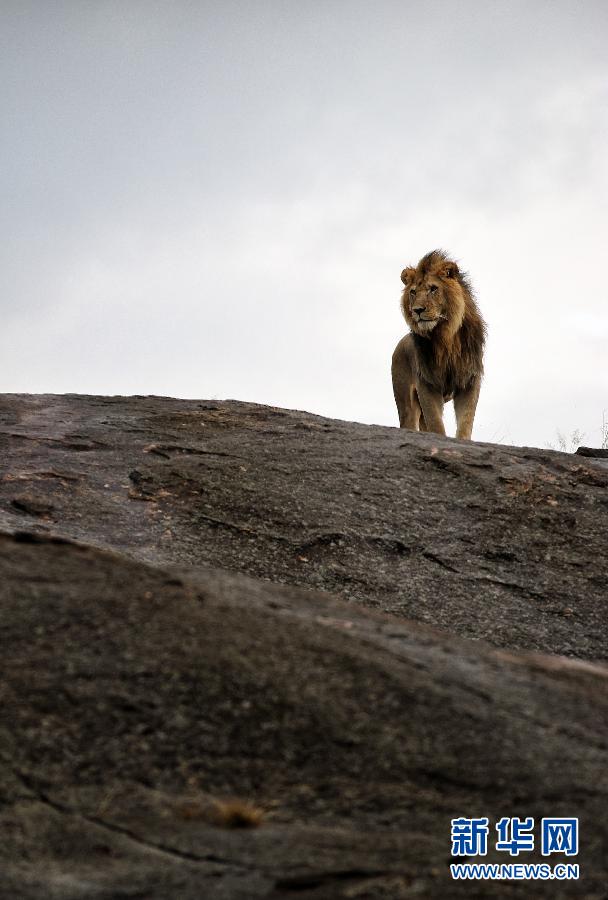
[[435, 295]]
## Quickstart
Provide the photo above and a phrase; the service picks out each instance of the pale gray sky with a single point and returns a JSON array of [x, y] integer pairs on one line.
[[217, 199]]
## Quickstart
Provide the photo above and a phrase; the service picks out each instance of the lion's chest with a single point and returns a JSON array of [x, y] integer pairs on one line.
[[442, 374], [448, 383]]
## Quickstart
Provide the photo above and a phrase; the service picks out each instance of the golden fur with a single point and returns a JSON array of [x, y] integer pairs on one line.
[[441, 358]]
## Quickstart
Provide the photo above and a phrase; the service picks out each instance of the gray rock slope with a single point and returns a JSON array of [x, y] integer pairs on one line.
[[205, 603]]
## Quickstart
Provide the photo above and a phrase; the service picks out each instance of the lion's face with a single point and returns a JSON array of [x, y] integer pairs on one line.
[[432, 296], [426, 304]]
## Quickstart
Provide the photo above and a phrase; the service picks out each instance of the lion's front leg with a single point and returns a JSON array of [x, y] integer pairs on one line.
[[431, 402], [465, 404]]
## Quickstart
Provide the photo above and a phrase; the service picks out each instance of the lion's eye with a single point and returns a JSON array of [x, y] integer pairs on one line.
[[433, 288], [413, 292]]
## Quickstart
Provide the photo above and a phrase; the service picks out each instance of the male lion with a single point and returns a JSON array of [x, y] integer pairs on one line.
[[442, 357]]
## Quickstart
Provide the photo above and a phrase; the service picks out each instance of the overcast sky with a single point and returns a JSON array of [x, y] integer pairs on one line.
[[217, 199]]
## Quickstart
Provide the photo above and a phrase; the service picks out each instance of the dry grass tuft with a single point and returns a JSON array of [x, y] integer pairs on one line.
[[237, 814], [232, 813]]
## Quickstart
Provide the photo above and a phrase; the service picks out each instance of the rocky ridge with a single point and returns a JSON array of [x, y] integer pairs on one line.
[[362, 632]]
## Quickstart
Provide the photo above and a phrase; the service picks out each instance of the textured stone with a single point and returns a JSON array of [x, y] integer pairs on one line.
[[202, 601]]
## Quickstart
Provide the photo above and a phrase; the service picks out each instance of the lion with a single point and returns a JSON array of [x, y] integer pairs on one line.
[[441, 358]]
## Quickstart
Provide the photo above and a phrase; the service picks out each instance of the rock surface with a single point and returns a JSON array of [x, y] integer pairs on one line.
[[204, 600]]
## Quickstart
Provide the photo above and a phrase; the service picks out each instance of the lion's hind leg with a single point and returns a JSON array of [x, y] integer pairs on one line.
[[408, 406], [410, 414], [404, 389]]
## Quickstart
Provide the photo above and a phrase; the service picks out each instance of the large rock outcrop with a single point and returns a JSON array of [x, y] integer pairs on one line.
[[333, 622]]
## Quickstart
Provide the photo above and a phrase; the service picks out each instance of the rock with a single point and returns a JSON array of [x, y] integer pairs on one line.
[[130, 698], [167, 650], [489, 542], [597, 452]]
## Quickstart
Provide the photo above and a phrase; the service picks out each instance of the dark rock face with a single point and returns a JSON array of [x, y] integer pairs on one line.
[[140, 686], [598, 452], [500, 543]]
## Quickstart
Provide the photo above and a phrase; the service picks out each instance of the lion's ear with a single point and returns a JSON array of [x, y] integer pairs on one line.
[[448, 270], [406, 275]]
